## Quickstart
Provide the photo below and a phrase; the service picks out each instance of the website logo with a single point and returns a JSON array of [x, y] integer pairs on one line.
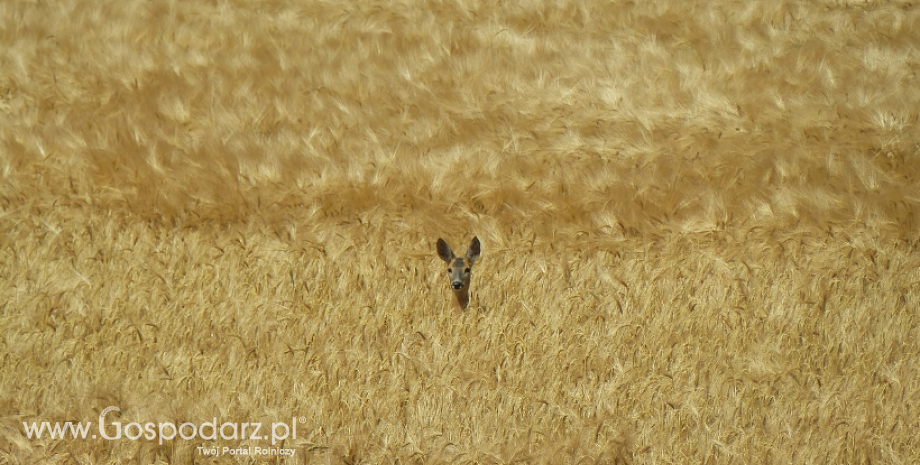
[[168, 431]]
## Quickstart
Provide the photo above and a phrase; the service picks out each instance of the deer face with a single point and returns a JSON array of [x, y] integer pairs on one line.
[[459, 268], [459, 274]]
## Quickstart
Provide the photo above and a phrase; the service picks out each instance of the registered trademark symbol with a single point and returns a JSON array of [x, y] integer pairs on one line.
[[302, 419]]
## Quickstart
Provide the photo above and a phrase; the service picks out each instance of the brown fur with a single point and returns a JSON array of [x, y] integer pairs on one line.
[[459, 270]]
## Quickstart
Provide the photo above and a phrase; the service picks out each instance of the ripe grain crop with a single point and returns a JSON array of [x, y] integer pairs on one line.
[[700, 229]]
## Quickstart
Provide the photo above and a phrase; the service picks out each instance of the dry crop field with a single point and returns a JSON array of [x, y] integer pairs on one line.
[[700, 227]]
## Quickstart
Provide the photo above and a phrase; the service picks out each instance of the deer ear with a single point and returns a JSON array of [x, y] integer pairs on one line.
[[472, 253], [444, 251]]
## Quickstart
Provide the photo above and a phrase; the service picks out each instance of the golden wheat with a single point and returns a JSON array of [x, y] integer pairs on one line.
[[699, 226]]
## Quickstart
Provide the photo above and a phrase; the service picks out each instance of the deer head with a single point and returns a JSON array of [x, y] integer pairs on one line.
[[459, 269]]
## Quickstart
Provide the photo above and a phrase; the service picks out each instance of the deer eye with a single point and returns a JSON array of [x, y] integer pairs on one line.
[[467, 270], [448, 270]]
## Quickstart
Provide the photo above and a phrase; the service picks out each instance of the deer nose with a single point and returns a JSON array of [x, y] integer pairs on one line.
[[457, 285]]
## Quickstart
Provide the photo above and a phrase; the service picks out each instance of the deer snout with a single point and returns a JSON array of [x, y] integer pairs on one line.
[[457, 285]]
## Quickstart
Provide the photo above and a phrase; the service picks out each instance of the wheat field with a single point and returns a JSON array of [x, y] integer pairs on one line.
[[700, 226]]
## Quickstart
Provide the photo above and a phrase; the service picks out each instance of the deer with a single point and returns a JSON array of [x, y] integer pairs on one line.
[[458, 270]]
